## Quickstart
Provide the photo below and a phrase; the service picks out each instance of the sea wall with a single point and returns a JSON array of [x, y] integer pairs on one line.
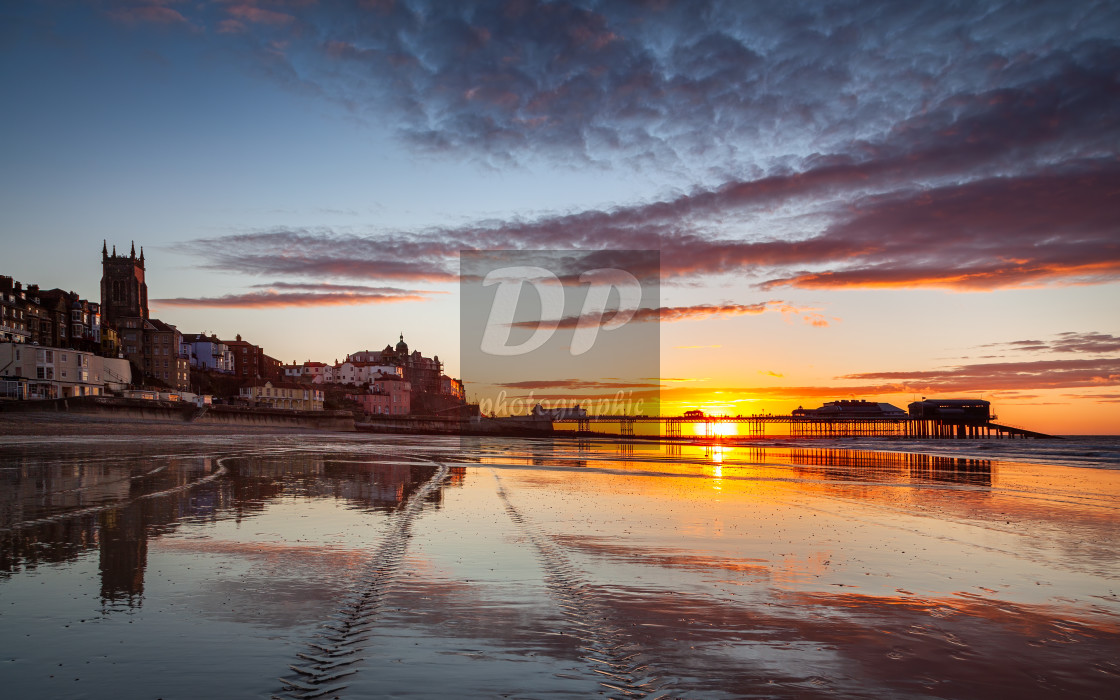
[[119, 409]]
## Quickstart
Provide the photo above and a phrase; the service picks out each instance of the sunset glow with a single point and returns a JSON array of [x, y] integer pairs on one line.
[[847, 201]]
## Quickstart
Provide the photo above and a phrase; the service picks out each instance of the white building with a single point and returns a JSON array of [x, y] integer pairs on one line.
[[309, 370], [354, 372], [36, 372]]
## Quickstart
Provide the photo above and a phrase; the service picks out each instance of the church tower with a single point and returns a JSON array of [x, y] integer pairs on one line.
[[124, 293]]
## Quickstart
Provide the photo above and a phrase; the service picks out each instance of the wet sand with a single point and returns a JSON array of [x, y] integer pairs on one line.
[[61, 425], [360, 566]]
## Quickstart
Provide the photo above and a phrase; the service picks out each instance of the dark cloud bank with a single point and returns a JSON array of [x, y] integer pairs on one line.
[[830, 145]]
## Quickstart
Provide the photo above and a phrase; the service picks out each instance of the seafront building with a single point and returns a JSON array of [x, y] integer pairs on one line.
[[285, 395], [14, 316], [388, 394], [36, 372], [310, 371], [87, 348], [952, 410], [353, 372], [851, 408], [422, 372], [53, 317]]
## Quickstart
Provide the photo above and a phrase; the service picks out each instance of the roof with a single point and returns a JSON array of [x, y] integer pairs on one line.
[[161, 326], [855, 408], [201, 338]]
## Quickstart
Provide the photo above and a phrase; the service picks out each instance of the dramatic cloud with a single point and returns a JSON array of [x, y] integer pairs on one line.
[[302, 295], [342, 288], [669, 314], [832, 145], [988, 234], [698, 84], [318, 253], [1089, 342], [1042, 374]]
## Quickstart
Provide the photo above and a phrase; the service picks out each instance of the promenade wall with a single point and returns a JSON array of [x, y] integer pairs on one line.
[[125, 410]]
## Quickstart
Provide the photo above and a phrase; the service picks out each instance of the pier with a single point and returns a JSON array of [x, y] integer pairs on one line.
[[715, 427]]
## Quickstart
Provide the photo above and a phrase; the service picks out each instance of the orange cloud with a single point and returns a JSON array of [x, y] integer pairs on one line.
[[671, 314], [272, 299]]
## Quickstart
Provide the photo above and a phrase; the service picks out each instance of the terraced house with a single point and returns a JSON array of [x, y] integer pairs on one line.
[[287, 395]]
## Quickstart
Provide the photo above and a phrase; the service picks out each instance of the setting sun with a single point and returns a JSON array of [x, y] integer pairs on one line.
[[715, 429]]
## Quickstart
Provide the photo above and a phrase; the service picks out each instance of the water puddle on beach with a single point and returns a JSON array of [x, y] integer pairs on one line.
[[430, 567]]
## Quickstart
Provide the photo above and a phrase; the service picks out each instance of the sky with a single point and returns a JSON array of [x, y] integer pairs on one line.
[[850, 199]]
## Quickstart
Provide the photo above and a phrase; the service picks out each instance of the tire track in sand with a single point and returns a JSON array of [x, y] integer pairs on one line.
[[326, 662], [606, 647]]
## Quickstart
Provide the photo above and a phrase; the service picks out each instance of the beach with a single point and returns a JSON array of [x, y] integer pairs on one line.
[[166, 562]]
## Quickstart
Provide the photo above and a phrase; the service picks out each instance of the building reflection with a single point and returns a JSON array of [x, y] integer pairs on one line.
[[890, 466], [59, 511], [123, 550]]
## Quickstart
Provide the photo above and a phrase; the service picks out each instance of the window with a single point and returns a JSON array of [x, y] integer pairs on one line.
[[65, 357]]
